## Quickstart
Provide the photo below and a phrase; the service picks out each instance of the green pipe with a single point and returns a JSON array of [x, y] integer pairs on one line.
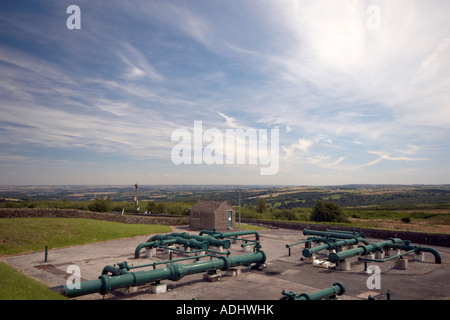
[[164, 236], [241, 233], [191, 243], [328, 234], [353, 232], [174, 271], [217, 234], [336, 289], [418, 249], [212, 232], [154, 264], [308, 252], [212, 240], [114, 270], [188, 240], [386, 259], [339, 256]]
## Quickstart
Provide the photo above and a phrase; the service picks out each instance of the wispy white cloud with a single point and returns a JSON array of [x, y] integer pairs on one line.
[[386, 156], [137, 64], [339, 89]]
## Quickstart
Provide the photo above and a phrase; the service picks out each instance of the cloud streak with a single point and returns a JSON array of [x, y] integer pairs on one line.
[[137, 71]]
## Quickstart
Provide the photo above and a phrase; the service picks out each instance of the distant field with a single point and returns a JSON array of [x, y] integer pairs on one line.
[[424, 208], [418, 218]]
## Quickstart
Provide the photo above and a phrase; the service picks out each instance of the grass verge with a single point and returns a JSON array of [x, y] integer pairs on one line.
[[20, 235], [16, 286]]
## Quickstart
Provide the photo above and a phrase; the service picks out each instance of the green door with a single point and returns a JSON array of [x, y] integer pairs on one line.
[[230, 219]]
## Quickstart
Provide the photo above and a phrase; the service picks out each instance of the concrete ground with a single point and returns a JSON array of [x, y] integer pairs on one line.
[[422, 280]]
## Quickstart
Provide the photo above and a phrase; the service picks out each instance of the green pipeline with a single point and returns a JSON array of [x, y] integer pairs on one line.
[[362, 250], [122, 278], [308, 252], [222, 235], [332, 234], [188, 240], [336, 289], [418, 249]]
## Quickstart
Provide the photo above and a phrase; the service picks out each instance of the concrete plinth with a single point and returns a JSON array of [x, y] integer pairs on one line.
[[157, 288], [212, 277], [401, 264], [344, 265], [419, 256], [322, 263], [247, 248], [128, 290], [310, 259], [233, 272], [150, 252], [379, 255]]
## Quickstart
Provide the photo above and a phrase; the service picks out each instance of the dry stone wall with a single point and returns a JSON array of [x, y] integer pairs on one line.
[[73, 213], [414, 237]]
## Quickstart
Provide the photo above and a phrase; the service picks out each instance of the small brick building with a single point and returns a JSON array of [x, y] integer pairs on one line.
[[208, 214]]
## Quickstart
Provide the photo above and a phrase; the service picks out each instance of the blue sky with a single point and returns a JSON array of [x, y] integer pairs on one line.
[[359, 90]]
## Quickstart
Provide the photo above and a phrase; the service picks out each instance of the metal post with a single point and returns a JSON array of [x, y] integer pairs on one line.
[[46, 253], [239, 210], [136, 197]]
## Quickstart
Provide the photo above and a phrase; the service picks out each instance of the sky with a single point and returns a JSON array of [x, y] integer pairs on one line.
[[339, 92]]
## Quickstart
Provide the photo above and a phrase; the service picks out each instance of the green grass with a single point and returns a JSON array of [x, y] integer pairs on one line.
[[16, 286], [249, 227], [19, 235]]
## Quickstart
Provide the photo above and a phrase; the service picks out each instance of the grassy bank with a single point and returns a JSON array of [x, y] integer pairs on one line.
[[18, 235], [16, 286]]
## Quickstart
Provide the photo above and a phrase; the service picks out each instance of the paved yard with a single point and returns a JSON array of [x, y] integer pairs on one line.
[[421, 280]]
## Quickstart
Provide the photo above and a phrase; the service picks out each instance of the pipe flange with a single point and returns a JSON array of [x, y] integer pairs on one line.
[[226, 263], [177, 271], [341, 288], [106, 284], [365, 251]]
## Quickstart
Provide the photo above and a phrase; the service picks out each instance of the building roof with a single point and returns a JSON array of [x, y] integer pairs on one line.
[[208, 205]]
